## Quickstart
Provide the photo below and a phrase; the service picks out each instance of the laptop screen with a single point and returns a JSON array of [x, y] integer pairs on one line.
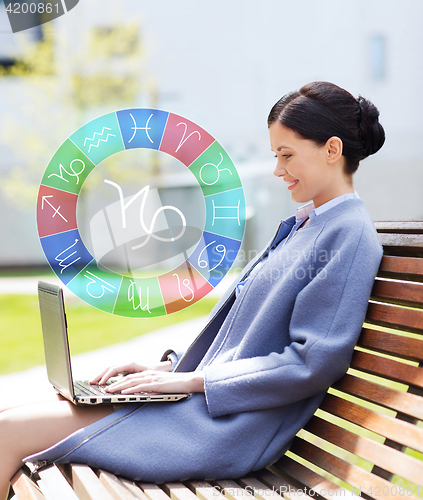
[[56, 347]]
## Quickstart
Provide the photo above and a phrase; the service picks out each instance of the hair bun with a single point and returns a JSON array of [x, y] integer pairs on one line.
[[321, 110], [371, 131]]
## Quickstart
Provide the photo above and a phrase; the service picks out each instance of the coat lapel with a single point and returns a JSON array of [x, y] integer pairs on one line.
[[195, 353]]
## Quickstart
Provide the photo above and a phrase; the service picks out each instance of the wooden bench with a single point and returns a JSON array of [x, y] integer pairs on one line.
[[366, 438]]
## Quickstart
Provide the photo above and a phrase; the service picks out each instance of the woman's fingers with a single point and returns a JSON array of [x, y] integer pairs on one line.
[[130, 381], [158, 381], [97, 378], [112, 371]]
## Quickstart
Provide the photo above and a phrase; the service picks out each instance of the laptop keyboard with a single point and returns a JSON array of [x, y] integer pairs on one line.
[[87, 389], [93, 389]]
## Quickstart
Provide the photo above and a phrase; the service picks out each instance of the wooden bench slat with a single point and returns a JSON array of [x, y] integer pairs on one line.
[[410, 320], [115, 487], [232, 490], [288, 468], [281, 482], [259, 489], [136, 491], [358, 478], [387, 458], [25, 488], [399, 292], [388, 368], [399, 226], [402, 402], [204, 490], [56, 483], [398, 266], [152, 491], [401, 240], [178, 491], [47, 495], [86, 484], [399, 431], [391, 343]]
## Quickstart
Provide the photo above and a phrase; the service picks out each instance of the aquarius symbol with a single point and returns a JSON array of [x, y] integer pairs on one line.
[[92, 280], [100, 140], [61, 261], [182, 142], [72, 172], [131, 298], [148, 231], [135, 128], [218, 171], [219, 248], [186, 283]]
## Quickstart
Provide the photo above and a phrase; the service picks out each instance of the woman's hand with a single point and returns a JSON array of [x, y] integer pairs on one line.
[[113, 371], [159, 381]]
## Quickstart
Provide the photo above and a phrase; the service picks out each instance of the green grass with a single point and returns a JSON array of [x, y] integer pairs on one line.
[[21, 344], [24, 272]]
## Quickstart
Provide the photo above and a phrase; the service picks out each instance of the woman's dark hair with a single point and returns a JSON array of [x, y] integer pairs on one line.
[[321, 110]]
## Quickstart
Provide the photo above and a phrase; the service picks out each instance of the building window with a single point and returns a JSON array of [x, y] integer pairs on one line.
[[377, 57]]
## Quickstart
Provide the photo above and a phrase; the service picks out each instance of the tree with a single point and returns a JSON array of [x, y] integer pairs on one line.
[[55, 88]]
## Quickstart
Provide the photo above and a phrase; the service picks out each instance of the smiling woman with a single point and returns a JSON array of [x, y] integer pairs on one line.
[[319, 135], [275, 342], [311, 172]]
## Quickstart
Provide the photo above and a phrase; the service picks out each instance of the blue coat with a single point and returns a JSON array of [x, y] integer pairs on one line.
[[276, 349]]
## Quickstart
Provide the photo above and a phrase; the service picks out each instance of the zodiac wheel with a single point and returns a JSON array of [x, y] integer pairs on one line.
[[126, 294]]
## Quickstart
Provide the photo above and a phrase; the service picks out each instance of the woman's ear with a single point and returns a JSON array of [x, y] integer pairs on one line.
[[334, 148]]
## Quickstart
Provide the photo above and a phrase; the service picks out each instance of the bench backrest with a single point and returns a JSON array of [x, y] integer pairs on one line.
[[368, 433]]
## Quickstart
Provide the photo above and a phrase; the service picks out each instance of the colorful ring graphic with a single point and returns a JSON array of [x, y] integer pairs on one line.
[[213, 255]]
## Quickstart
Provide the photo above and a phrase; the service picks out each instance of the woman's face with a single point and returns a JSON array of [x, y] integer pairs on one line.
[[307, 168]]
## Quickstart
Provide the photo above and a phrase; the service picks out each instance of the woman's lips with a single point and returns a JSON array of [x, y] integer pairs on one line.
[[291, 184]]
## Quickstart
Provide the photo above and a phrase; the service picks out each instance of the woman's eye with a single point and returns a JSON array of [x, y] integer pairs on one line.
[[287, 156]]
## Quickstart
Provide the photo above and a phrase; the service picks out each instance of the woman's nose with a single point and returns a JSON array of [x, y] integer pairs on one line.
[[279, 171]]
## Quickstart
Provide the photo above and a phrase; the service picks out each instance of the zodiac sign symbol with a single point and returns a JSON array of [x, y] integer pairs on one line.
[[222, 216], [100, 140], [131, 298], [135, 128], [61, 261], [56, 210], [93, 281], [148, 231], [182, 142], [186, 283], [218, 171], [219, 248], [72, 172]]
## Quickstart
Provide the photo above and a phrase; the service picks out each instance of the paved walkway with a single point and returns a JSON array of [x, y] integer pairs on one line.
[[142, 349]]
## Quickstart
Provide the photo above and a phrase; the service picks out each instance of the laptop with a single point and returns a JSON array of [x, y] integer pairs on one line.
[[58, 360]]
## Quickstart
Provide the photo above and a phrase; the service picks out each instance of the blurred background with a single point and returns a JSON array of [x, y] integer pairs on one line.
[[221, 64]]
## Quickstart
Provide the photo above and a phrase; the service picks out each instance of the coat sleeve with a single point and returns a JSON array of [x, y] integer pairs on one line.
[[172, 356], [326, 321]]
